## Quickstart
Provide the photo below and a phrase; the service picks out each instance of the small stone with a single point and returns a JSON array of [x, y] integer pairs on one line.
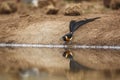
[[106, 3], [52, 10], [73, 10], [114, 4], [8, 7]]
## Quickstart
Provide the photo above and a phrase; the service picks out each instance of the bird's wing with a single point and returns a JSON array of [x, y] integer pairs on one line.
[[82, 22], [72, 24]]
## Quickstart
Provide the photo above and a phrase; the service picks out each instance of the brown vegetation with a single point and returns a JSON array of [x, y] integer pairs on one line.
[[114, 4], [8, 7]]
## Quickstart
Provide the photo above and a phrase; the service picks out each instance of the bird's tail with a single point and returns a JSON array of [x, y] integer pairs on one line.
[[75, 25]]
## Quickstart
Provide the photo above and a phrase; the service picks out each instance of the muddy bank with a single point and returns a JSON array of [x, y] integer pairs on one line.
[[103, 31], [48, 30]]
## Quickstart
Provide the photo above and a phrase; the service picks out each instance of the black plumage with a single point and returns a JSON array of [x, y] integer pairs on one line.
[[76, 67], [74, 25]]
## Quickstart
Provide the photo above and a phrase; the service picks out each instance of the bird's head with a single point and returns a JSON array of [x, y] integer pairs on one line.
[[67, 37]]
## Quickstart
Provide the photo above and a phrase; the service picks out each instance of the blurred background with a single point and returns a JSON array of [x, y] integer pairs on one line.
[[63, 7], [15, 11]]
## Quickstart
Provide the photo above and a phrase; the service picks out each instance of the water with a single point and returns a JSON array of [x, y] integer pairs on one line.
[[42, 75], [49, 64]]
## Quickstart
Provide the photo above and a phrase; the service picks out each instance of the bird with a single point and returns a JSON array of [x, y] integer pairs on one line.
[[74, 65], [73, 26]]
